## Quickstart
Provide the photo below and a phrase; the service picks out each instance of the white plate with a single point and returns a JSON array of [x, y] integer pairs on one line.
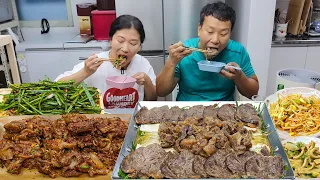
[[304, 91], [304, 139]]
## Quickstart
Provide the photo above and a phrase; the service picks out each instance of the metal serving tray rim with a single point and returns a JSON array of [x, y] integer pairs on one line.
[[132, 129]]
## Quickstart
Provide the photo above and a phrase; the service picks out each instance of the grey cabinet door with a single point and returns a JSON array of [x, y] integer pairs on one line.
[[157, 62], [150, 14], [181, 19]]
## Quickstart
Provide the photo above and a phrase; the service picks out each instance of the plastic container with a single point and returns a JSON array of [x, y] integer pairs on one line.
[[101, 23], [121, 82], [106, 4], [84, 18], [213, 66]]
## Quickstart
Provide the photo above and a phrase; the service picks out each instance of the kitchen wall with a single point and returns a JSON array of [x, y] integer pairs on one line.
[[29, 10], [253, 29], [240, 31]]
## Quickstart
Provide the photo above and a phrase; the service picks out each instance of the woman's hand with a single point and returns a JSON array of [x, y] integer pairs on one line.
[[92, 64], [142, 78]]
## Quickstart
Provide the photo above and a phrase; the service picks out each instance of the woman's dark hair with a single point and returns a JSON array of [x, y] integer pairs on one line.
[[219, 10], [127, 22]]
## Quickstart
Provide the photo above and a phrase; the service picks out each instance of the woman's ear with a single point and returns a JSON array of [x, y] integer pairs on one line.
[[140, 47], [110, 47]]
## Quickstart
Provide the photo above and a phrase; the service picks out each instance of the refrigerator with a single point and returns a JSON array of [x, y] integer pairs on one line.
[[165, 22]]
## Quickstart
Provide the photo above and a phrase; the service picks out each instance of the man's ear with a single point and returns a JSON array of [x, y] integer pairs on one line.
[[199, 28]]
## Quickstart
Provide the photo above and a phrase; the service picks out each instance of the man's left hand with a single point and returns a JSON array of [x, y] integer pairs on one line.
[[231, 73]]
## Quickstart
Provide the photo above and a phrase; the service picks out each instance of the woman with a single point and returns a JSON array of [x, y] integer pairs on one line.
[[126, 37]]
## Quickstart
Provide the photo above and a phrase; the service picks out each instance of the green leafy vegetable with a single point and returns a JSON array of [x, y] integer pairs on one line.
[[47, 97], [122, 174]]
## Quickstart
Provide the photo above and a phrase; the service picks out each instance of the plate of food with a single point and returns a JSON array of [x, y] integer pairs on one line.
[[295, 112], [70, 146], [178, 140], [304, 156], [47, 97]]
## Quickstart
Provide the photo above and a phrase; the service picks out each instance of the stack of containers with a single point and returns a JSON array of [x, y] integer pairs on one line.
[[102, 19], [84, 17]]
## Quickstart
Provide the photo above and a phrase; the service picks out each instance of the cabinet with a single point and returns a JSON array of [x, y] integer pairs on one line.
[[283, 58], [35, 65], [313, 59], [157, 62], [13, 23], [8, 63]]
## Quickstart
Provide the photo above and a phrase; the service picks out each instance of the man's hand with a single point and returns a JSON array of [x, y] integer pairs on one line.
[[231, 73], [177, 52]]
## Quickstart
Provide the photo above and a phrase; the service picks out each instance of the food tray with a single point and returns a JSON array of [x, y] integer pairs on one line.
[[4, 91], [32, 174], [273, 136]]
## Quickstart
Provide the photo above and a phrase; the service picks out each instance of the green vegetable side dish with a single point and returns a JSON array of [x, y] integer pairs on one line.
[[47, 97], [122, 174]]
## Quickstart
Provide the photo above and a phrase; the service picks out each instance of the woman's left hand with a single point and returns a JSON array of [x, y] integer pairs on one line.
[[231, 73], [142, 78]]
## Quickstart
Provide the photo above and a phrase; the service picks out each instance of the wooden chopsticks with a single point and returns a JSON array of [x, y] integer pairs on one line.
[[102, 59], [112, 59], [197, 49]]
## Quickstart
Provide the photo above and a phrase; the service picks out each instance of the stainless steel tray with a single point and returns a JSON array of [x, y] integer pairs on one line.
[[273, 136]]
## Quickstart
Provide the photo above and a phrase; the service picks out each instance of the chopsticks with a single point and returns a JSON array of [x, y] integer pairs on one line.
[[197, 49], [102, 59]]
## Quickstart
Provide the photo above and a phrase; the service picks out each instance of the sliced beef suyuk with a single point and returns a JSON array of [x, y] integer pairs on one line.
[[216, 166], [179, 166], [210, 111], [142, 116], [156, 114], [144, 162], [226, 112], [259, 166], [194, 111], [172, 115], [247, 114]]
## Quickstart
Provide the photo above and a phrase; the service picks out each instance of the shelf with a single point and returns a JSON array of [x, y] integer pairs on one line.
[[10, 24], [12, 76]]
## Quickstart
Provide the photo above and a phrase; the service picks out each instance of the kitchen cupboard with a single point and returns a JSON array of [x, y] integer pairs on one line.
[[283, 58], [35, 65], [313, 59]]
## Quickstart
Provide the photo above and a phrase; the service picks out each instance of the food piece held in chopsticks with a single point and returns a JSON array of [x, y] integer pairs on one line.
[[211, 52], [117, 62]]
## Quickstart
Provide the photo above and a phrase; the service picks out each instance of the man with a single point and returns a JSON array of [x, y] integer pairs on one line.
[[214, 31]]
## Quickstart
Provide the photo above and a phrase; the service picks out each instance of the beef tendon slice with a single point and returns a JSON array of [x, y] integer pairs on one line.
[[180, 166], [248, 114], [144, 162], [142, 116], [226, 112], [210, 111]]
